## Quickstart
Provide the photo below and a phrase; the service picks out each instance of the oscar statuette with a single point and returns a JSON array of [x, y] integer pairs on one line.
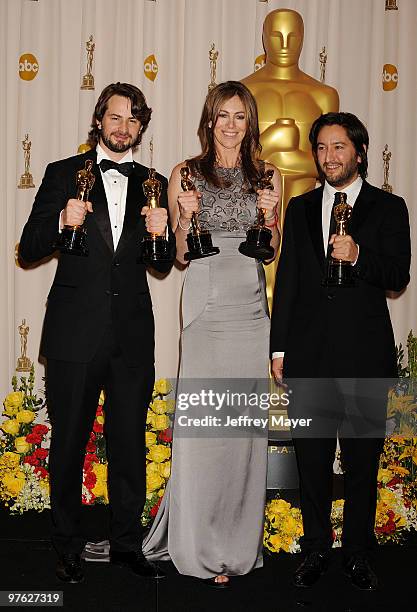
[[258, 236], [26, 180], [154, 247], [339, 272], [73, 238], [24, 364], [198, 240], [88, 78]]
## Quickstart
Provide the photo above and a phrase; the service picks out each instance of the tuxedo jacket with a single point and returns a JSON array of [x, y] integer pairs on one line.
[[107, 288], [339, 331]]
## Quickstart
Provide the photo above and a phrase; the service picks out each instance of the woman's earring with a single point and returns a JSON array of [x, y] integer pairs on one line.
[[210, 124]]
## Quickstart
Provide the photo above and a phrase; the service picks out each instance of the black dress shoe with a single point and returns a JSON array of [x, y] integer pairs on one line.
[[137, 564], [68, 568], [361, 574], [310, 570]]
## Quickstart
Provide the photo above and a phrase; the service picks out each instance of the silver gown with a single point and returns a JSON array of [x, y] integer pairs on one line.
[[210, 521]]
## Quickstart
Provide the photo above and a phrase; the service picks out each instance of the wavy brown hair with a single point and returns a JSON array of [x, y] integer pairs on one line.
[[250, 150], [140, 110]]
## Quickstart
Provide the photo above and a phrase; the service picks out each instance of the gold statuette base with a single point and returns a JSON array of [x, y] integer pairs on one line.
[[26, 181], [387, 187], [88, 82], [24, 364]]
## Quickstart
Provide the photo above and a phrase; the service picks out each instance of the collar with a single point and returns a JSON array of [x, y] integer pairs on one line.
[[351, 191], [101, 154]]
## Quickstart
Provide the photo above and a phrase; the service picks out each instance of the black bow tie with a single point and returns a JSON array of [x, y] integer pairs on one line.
[[126, 168]]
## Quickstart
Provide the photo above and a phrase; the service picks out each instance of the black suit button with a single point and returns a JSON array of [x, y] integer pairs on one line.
[[330, 296], [115, 293], [116, 263], [108, 292]]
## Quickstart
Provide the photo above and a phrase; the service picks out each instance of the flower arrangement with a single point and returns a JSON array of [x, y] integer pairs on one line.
[[24, 476], [396, 512], [24, 482], [158, 438], [283, 526], [402, 399], [94, 489]]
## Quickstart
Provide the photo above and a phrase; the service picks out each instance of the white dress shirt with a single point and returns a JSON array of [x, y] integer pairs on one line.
[[115, 186], [352, 192]]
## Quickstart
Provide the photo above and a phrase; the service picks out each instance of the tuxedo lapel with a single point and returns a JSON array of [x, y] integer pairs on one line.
[[135, 200], [100, 207], [362, 208], [314, 220]]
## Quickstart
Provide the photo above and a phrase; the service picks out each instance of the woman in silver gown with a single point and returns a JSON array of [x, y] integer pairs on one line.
[[210, 522]]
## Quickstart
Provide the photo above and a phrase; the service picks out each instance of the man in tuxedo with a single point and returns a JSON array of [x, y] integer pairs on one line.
[[334, 345], [99, 329]]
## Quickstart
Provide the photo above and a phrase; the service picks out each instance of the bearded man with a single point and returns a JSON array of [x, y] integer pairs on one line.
[[334, 345]]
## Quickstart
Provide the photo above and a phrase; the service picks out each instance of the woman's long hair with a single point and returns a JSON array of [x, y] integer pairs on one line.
[[205, 163]]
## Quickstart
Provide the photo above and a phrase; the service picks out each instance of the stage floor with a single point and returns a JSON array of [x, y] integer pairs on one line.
[[27, 562]]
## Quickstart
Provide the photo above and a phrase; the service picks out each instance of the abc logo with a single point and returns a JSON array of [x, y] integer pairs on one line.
[[150, 67], [259, 62], [28, 67], [389, 77]]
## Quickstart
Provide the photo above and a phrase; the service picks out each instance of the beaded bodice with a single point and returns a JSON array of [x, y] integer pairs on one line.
[[226, 209]]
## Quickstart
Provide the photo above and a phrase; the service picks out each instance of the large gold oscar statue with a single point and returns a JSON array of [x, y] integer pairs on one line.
[[288, 100]]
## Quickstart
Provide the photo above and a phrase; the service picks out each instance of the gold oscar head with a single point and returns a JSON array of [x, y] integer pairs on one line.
[[283, 36]]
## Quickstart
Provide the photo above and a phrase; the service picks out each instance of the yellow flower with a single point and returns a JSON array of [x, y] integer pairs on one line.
[[152, 468], [278, 506], [11, 426], [162, 387], [100, 419], [153, 482], [159, 453], [158, 421], [150, 438], [21, 445], [13, 402], [10, 459], [44, 484], [100, 489], [398, 469], [387, 497], [290, 523], [276, 542], [165, 469], [25, 416], [398, 439], [409, 451], [385, 475], [14, 482], [159, 406], [100, 470], [170, 406]]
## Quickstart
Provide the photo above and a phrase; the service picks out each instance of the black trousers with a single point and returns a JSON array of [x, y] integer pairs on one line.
[[353, 410], [73, 391]]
